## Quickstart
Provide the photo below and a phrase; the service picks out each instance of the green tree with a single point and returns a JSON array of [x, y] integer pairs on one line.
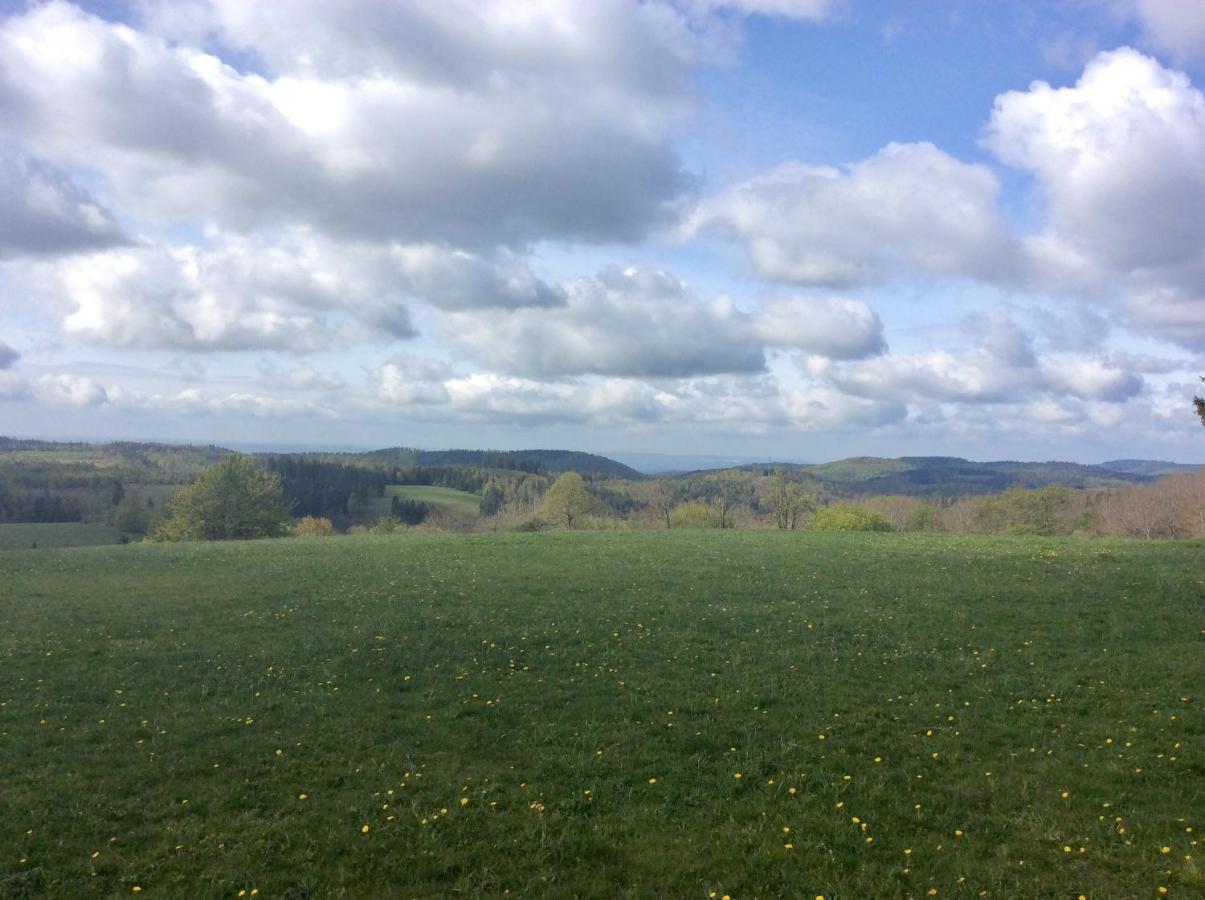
[[848, 517], [567, 500], [1199, 404], [492, 499], [132, 515], [786, 500], [232, 500]]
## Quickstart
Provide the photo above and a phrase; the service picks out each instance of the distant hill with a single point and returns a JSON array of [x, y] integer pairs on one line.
[[550, 461], [950, 476], [1147, 466]]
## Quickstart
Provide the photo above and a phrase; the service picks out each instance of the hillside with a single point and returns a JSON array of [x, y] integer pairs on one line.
[[1150, 467], [655, 714], [946, 476], [548, 461]]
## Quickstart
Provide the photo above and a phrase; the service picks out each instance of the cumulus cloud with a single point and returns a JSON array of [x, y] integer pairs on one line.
[[1120, 158], [46, 213], [8, 355], [237, 294], [835, 327], [1003, 368], [1177, 26], [908, 206], [413, 380], [66, 389], [647, 323], [734, 403], [466, 123], [457, 280]]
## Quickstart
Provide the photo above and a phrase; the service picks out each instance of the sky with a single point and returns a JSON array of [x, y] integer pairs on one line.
[[794, 229]]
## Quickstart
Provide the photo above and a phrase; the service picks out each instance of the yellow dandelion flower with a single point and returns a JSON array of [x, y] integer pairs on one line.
[[363, 829]]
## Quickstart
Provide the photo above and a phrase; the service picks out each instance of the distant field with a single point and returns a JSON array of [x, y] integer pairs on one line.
[[22, 536], [626, 714], [436, 496]]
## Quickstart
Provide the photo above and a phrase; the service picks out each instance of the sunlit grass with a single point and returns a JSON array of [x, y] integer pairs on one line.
[[640, 714]]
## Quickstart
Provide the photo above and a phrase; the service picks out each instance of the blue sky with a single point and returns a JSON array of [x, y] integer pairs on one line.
[[794, 228]]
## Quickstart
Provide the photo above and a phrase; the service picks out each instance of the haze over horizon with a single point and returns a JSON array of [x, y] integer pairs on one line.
[[797, 229]]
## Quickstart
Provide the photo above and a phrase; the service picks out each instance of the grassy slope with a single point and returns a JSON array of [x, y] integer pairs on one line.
[[22, 535], [435, 495], [166, 706]]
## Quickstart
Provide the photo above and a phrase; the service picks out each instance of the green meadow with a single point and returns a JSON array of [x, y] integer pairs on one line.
[[22, 535], [435, 495], [626, 714]]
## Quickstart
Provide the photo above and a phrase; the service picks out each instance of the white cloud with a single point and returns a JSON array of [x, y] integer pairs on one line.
[[237, 294], [458, 280], [45, 212], [910, 206], [647, 323], [68, 390], [1002, 369], [1177, 26], [836, 327], [238, 404], [460, 122], [412, 381], [1120, 159]]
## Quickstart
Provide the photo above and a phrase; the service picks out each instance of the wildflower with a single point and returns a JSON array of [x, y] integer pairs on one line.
[[363, 829]]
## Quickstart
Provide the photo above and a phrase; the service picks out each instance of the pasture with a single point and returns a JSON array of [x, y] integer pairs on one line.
[[626, 714], [432, 494], [26, 535]]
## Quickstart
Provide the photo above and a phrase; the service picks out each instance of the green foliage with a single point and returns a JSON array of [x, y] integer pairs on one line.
[[567, 500], [695, 514], [133, 514], [492, 499], [313, 526], [386, 525], [848, 517], [786, 499], [923, 518], [535, 676], [233, 500]]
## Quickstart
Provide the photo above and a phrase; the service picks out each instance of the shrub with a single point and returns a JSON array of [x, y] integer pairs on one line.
[[695, 514], [848, 517], [313, 526]]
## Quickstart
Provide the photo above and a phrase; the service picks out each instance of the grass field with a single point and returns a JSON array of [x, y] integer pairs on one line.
[[631, 714], [22, 535], [433, 494]]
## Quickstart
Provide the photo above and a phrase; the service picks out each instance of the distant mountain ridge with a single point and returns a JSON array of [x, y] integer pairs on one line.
[[952, 476], [1148, 466]]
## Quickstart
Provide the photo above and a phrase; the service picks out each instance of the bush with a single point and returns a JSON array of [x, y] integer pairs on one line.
[[695, 514], [313, 526], [848, 517], [386, 525]]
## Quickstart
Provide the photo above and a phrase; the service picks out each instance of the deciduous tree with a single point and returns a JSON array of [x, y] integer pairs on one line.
[[232, 500]]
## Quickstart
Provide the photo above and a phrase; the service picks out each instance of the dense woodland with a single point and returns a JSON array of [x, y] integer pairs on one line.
[[126, 486]]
